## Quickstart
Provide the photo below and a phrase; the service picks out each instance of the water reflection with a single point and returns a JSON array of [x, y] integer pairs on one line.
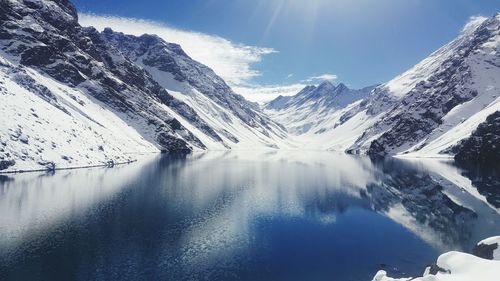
[[248, 216], [33, 203]]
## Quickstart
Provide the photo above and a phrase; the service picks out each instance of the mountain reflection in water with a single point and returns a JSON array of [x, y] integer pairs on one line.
[[242, 215]]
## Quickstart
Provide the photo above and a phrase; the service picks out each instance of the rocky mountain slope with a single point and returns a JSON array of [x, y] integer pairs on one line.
[[483, 144], [439, 102], [72, 96], [427, 111], [233, 118]]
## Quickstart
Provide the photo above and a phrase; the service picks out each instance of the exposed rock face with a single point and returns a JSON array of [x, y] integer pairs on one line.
[[483, 145], [169, 62], [485, 251], [488, 249], [4, 164], [435, 269]]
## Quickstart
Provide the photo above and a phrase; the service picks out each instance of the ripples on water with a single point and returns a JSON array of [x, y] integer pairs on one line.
[[242, 216]]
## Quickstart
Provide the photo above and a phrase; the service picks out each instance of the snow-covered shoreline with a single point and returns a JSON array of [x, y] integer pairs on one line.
[[109, 164], [66, 168], [484, 265]]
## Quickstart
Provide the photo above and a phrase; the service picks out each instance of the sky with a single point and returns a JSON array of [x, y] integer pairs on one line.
[[264, 48]]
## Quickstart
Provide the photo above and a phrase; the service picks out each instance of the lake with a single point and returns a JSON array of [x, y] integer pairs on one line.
[[284, 215]]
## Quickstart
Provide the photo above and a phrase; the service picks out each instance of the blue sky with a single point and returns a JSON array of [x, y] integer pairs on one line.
[[361, 42]]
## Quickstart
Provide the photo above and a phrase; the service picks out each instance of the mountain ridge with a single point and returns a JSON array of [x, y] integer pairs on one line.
[[98, 105], [310, 108]]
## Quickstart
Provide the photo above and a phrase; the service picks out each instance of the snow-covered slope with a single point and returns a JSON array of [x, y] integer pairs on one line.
[[71, 96], [45, 125], [310, 111]]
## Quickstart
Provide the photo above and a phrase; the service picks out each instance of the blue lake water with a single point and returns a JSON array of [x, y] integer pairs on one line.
[[241, 216]]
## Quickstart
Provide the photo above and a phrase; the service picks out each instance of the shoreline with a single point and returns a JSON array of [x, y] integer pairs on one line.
[[67, 168], [109, 165], [397, 156]]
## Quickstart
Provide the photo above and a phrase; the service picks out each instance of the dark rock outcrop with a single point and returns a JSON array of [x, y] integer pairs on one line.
[[485, 251], [483, 145], [4, 164]]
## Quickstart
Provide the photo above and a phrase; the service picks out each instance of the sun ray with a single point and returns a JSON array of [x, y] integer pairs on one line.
[[277, 11]]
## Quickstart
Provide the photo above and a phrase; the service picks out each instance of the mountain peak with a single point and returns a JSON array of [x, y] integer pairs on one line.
[[326, 85], [67, 6], [341, 87], [108, 30], [306, 90]]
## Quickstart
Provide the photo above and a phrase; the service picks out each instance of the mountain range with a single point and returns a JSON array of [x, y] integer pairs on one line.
[[445, 105], [312, 109], [71, 96]]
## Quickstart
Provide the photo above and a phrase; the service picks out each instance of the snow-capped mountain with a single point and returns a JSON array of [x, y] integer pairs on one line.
[[72, 96], [234, 119], [425, 111], [439, 102], [310, 111]]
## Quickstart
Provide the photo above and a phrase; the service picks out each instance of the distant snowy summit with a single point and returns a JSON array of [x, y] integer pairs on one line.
[[444, 106], [312, 109], [72, 96], [324, 96]]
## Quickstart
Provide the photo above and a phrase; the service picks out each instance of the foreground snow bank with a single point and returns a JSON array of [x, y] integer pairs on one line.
[[457, 266]]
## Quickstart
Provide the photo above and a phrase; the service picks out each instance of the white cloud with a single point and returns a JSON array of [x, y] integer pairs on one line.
[[232, 61], [262, 94], [323, 77]]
